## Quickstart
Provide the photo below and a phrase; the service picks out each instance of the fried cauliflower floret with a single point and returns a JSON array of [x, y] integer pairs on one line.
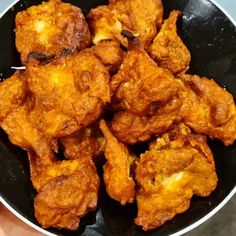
[[13, 92], [142, 18], [131, 129], [168, 49], [70, 93], [110, 54], [178, 166], [85, 142], [140, 83], [208, 108], [71, 193], [117, 177], [49, 28], [42, 173], [24, 134]]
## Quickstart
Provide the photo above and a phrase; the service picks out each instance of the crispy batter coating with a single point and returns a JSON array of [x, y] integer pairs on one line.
[[208, 108], [141, 17], [49, 28], [110, 53], [85, 142], [140, 83], [42, 174], [69, 191], [70, 93], [132, 129], [65, 199], [22, 132], [168, 49], [178, 166], [117, 177], [62, 93], [13, 92]]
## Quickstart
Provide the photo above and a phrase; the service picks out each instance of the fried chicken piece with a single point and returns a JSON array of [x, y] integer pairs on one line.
[[13, 92], [110, 53], [168, 49], [178, 166], [68, 190], [142, 18], [85, 142], [208, 108], [24, 134], [70, 93], [132, 129], [49, 28], [117, 177], [140, 83]]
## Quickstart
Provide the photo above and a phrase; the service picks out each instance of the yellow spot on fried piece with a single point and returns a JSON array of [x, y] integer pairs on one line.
[[173, 180], [39, 26], [49, 27], [100, 37], [55, 78]]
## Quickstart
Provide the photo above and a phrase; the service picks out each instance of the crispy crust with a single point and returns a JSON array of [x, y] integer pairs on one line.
[[49, 28]]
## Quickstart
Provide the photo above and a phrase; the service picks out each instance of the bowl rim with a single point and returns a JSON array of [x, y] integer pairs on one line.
[[178, 233]]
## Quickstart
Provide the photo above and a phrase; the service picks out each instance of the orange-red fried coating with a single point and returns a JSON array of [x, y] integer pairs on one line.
[[140, 83], [42, 173], [85, 142], [132, 129], [168, 49], [117, 177], [141, 17], [22, 132], [68, 88], [178, 166], [13, 92], [71, 192], [49, 28], [208, 108], [70, 93], [65, 199], [110, 53]]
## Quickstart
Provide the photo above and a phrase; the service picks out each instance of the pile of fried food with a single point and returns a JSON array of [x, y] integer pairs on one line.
[[94, 89]]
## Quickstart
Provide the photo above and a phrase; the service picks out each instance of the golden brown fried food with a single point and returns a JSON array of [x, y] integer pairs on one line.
[[168, 49], [141, 17], [49, 28], [71, 193], [140, 83], [208, 108], [117, 177], [13, 92], [70, 93], [24, 134], [110, 53], [178, 166], [42, 173], [60, 100], [65, 199], [85, 142], [132, 129]]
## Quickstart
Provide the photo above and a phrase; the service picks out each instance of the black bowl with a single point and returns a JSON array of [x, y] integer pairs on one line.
[[211, 39]]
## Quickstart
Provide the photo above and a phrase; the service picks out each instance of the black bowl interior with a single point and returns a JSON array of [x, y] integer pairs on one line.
[[211, 38]]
